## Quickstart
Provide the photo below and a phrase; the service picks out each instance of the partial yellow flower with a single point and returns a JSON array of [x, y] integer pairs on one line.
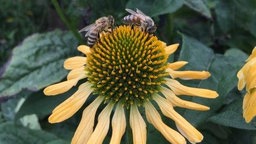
[[247, 78], [126, 71]]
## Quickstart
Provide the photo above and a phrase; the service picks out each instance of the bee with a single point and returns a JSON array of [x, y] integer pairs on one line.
[[140, 19], [93, 30]]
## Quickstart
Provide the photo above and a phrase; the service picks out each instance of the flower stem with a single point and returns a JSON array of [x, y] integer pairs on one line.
[[65, 21]]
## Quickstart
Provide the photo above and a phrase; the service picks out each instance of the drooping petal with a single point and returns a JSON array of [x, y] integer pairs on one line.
[[192, 134], [118, 125], [249, 105], [102, 126], [77, 73], [186, 135], [84, 49], [180, 89], [188, 75], [71, 105], [155, 119], [177, 65], [75, 62], [243, 73], [176, 101], [138, 126], [85, 127], [171, 48], [60, 88], [241, 80]]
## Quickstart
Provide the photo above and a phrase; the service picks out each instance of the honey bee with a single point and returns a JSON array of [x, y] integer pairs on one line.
[[140, 19], [93, 30]]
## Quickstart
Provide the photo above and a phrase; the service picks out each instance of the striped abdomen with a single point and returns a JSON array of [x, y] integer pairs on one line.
[[132, 19], [93, 37]]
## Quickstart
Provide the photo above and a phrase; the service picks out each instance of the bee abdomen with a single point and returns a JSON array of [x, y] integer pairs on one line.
[[126, 19], [92, 38], [91, 41], [129, 19]]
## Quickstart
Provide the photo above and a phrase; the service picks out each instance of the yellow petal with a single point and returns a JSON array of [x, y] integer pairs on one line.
[[85, 127], [176, 101], [171, 48], [249, 106], [75, 62], [84, 49], [251, 77], [177, 65], [191, 133], [71, 105], [77, 73], [154, 118], [118, 125], [188, 75], [102, 127], [243, 73], [138, 126], [253, 54], [59, 88], [241, 80], [180, 89], [188, 136]]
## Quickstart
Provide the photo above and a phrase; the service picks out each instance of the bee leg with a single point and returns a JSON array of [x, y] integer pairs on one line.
[[143, 26]]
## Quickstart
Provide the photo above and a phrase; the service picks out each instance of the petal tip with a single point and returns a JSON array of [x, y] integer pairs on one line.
[[84, 49]]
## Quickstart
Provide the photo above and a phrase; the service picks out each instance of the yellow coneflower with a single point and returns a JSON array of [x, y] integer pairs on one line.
[[126, 71], [247, 78]]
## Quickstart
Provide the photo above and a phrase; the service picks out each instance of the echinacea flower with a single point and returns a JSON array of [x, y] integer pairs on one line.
[[126, 71], [247, 78]]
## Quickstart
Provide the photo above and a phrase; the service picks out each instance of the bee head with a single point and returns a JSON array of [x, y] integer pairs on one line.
[[111, 21], [150, 22], [151, 29]]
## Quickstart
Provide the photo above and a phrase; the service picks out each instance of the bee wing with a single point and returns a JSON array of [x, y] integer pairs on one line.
[[141, 16], [87, 28], [140, 12], [131, 11]]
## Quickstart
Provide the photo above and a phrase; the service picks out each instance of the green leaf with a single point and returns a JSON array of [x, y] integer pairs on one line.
[[218, 131], [9, 108], [37, 62], [155, 7], [57, 142], [234, 52], [232, 116], [237, 20], [199, 6], [155, 136], [223, 78], [15, 134], [41, 105], [197, 54], [236, 13]]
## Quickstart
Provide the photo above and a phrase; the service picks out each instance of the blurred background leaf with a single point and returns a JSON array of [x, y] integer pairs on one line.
[[155, 7], [237, 20], [37, 62], [199, 6], [11, 133]]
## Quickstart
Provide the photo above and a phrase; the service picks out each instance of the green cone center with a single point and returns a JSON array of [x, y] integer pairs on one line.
[[127, 65]]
